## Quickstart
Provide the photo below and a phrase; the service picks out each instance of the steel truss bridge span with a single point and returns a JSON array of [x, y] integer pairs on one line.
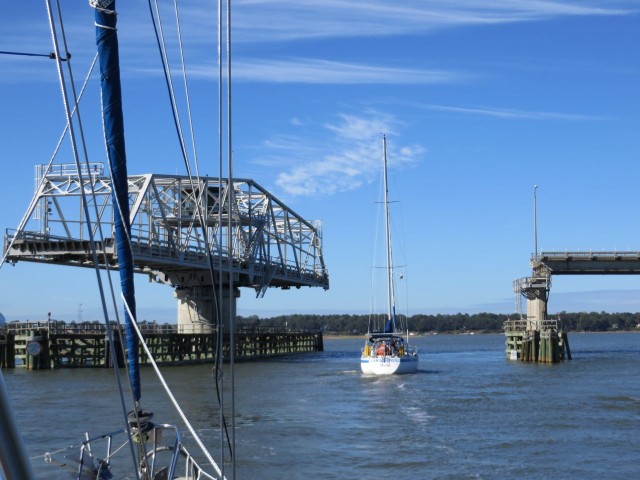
[[173, 220]]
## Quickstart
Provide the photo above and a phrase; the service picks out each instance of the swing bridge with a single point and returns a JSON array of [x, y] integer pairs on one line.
[[179, 229]]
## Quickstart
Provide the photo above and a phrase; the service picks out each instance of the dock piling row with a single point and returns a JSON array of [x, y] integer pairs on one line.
[[45, 345]]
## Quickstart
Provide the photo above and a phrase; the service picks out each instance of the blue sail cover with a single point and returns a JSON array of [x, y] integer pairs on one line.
[[107, 41], [390, 326]]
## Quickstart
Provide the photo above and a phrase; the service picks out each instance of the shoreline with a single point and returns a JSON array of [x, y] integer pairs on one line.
[[335, 336]]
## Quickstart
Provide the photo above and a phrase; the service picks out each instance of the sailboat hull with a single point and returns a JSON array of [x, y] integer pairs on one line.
[[389, 365]]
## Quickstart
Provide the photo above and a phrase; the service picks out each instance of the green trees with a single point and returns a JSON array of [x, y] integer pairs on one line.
[[350, 324]]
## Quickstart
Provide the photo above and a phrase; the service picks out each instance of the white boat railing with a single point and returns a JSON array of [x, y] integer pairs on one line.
[[166, 456]]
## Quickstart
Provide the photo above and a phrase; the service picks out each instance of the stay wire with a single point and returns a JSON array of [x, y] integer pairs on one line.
[[26, 54], [32, 205], [165, 63], [230, 242], [218, 371], [76, 156], [159, 33]]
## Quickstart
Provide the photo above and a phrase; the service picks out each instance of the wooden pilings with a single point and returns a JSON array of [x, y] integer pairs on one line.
[[565, 341], [39, 349], [7, 350], [530, 347], [548, 345]]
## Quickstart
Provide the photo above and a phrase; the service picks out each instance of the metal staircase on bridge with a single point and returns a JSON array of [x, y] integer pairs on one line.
[[271, 245]]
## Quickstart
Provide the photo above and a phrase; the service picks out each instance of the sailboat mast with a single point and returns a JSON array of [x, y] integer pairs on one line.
[[109, 59], [391, 301]]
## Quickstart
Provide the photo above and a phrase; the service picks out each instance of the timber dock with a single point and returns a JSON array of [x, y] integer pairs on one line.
[[54, 344]]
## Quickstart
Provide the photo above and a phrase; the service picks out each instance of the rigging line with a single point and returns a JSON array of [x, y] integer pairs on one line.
[[201, 214], [162, 47], [203, 223], [169, 392], [374, 282], [199, 203], [32, 205], [390, 266], [25, 54], [159, 32], [186, 88], [102, 237], [74, 148], [402, 251], [218, 372], [230, 244], [160, 39], [165, 61]]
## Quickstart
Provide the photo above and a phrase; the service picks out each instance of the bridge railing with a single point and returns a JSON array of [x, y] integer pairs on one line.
[[587, 254], [84, 328], [59, 327], [523, 325], [515, 325]]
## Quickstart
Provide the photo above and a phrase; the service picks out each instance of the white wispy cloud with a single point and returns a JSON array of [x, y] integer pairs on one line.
[[509, 113], [355, 158], [306, 70], [283, 20]]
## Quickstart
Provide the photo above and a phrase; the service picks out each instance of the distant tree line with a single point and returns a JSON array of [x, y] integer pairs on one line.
[[459, 322]]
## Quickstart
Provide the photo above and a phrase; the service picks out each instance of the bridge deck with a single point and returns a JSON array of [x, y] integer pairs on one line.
[[588, 263]]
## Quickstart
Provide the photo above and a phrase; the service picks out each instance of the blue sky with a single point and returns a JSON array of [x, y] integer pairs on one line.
[[480, 100]]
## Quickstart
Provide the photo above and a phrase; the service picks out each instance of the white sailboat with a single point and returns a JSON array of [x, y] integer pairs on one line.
[[388, 352]]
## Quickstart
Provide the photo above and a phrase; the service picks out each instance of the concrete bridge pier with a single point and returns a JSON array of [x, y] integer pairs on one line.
[[197, 312], [536, 310], [536, 338]]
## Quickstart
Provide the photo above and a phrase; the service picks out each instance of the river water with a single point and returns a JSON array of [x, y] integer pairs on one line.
[[467, 413]]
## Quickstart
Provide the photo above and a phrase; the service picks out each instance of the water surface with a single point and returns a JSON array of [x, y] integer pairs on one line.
[[467, 413]]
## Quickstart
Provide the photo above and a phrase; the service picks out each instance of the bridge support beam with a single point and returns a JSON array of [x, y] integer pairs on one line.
[[197, 312]]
